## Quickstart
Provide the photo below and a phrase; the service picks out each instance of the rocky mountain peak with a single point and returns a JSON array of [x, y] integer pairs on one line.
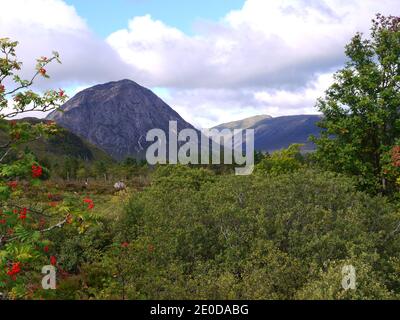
[[116, 117]]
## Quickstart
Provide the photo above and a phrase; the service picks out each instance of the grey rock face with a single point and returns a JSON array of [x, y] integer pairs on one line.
[[116, 117]]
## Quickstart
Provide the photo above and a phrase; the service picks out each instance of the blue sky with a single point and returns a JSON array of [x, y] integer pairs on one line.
[[106, 16]]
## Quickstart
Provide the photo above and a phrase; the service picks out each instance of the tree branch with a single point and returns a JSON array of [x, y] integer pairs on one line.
[[5, 154], [31, 81], [4, 240]]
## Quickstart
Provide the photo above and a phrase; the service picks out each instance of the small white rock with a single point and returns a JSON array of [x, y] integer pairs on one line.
[[119, 186]]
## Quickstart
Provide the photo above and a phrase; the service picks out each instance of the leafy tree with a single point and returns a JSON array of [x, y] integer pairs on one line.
[[24, 224], [361, 109], [100, 169], [129, 161], [283, 161], [70, 168], [259, 156]]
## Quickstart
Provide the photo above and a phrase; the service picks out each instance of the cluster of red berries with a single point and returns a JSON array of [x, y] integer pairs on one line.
[[2, 88], [23, 213], [14, 270], [89, 202], [37, 171]]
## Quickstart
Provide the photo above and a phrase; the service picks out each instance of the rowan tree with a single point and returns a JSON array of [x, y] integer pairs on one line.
[[25, 223]]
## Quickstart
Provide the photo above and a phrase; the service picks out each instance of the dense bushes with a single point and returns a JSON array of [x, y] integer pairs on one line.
[[196, 235]]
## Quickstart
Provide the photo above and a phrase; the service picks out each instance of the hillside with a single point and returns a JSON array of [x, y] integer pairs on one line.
[[243, 124], [64, 144]]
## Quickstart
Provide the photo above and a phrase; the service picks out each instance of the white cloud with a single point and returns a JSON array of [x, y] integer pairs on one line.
[[42, 26], [44, 15], [141, 48], [205, 108], [266, 43]]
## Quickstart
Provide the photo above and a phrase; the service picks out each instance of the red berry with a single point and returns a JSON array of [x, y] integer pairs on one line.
[[53, 260], [37, 171]]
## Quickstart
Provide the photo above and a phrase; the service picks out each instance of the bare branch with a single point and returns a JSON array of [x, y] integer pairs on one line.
[[58, 225], [5, 154]]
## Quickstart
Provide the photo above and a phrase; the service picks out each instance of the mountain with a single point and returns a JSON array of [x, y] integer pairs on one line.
[[278, 133], [116, 117], [61, 145], [242, 124]]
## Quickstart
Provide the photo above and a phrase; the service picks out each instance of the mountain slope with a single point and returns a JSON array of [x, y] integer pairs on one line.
[[116, 117], [278, 133], [63, 144], [242, 124]]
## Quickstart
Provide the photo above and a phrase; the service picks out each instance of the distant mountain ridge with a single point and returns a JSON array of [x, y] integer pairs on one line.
[[273, 134], [243, 124], [116, 117]]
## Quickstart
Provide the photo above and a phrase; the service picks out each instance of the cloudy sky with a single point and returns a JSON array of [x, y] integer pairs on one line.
[[213, 61]]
